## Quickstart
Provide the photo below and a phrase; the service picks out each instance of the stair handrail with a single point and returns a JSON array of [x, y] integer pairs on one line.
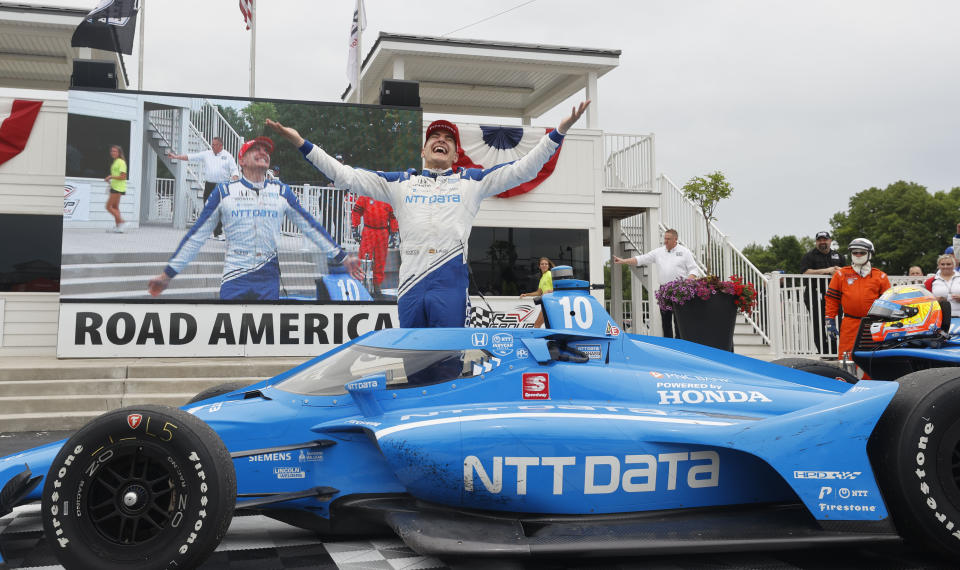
[[210, 122], [680, 213]]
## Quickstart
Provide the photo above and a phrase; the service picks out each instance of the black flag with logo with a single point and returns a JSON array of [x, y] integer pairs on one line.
[[110, 26]]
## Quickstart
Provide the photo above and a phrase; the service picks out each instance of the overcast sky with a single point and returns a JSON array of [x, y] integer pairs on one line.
[[800, 104]]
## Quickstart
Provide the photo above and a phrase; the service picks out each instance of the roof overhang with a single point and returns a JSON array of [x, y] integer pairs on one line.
[[473, 77], [35, 49]]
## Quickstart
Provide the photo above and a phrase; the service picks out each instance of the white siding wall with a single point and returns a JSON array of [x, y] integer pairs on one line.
[[29, 324], [570, 198], [32, 183]]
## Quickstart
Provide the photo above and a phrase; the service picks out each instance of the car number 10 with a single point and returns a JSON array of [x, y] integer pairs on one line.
[[349, 291], [582, 311]]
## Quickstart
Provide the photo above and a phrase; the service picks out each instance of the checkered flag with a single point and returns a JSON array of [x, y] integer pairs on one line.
[[480, 318]]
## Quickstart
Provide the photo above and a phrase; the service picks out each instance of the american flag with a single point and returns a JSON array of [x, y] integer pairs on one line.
[[246, 8]]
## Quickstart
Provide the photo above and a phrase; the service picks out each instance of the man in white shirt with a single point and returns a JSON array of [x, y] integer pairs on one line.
[[219, 167], [673, 261]]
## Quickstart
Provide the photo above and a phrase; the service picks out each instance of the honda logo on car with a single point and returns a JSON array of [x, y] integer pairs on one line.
[[478, 339], [602, 474], [536, 386], [708, 396]]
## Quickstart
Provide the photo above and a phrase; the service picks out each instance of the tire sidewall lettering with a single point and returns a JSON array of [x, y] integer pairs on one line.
[[924, 467]]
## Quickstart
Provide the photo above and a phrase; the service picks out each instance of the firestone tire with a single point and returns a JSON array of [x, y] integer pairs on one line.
[[145, 487], [915, 450], [218, 390], [819, 368]]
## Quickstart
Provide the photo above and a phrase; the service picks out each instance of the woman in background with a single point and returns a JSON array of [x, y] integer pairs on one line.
[[545, 286], [118, 187], [945, 285]]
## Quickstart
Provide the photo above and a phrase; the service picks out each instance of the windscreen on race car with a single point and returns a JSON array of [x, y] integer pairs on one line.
[[403, 369]]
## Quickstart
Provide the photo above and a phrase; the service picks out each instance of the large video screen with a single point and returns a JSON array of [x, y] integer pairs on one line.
[[156, 162]]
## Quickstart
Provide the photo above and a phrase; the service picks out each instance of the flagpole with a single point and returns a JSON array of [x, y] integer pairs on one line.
[[143, 27], [253, 48], [359, 62]]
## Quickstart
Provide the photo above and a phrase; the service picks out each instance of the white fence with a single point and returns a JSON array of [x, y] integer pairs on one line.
[[330, 206], [795, 303], [629, 164]]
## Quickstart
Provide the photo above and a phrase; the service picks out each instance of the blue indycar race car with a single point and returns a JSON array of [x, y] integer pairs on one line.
[[574, 440]]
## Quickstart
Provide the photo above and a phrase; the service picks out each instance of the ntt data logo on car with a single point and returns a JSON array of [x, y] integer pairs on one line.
[[536, 386]]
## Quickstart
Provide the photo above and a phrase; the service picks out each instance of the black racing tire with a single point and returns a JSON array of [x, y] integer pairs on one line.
[[218, 390], [819, 368], [145, 487], [915, 451]]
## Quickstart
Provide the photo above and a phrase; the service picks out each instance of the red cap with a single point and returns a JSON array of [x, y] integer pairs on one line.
[[263, 141], [446, 126]]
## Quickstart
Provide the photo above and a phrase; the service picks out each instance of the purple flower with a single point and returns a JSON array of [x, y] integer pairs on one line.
[[673, 294]]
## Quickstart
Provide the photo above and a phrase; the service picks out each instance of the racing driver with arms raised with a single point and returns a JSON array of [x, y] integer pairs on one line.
[[435, 209]]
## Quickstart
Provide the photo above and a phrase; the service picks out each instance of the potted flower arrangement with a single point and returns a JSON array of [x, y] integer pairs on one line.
[[706, 307]]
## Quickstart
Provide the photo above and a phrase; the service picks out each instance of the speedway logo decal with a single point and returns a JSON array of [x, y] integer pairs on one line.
[[601, 474], [536, 386]]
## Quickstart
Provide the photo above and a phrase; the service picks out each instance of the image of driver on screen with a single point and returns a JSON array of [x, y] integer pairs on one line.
[[435, 208], [252, 210]]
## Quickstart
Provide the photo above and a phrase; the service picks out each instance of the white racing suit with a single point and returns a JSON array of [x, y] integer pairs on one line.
[[435, 211], [252, 215]]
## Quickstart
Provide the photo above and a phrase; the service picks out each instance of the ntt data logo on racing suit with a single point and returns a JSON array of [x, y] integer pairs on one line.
[[255, 213], [432, 199]]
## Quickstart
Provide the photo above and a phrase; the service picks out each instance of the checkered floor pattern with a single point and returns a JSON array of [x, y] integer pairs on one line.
[[253, 542], [258, 543]]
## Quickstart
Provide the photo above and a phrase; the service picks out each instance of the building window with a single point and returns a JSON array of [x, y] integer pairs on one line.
[[504, 260], [30, 252], [88, 144]]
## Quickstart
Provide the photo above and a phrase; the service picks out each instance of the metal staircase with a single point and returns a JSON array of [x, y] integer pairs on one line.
[[751, 336], [184, 131]]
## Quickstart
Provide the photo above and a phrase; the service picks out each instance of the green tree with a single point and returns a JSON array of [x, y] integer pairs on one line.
[[906, 223], [783, 253], [625, 281], [235, 119], [706, 193]]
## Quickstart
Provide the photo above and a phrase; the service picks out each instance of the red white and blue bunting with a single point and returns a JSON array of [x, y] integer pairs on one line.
[[485, 146]]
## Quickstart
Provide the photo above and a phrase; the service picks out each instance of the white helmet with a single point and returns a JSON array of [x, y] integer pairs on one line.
[[862, 243]]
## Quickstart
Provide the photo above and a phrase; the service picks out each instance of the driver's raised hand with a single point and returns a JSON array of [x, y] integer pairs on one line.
[[288, 133], [575, 114]]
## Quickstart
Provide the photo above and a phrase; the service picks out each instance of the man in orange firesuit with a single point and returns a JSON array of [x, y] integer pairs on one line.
[[379, 229], [855, 287]]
